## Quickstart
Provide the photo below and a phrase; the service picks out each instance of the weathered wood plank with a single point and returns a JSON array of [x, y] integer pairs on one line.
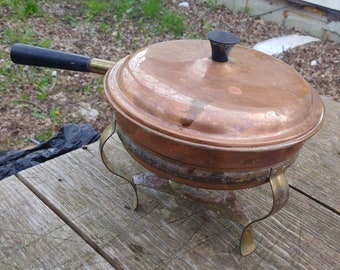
[[317, 170], [167, 232], [33, 237]]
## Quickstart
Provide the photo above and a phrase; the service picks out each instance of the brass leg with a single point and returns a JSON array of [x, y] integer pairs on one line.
[[226, 203], [280, 190], [107, 133]]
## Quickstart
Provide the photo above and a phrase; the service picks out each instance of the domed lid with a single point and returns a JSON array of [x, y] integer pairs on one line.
[[244, 99]]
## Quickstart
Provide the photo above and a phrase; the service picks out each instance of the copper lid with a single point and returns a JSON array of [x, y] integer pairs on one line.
[[176, 89]]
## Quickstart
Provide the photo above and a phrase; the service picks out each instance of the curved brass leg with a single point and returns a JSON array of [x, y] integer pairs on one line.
[[280, 190], [278, 183], [107, 133]]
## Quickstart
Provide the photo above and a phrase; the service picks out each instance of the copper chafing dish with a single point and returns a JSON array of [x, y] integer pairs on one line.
[[205, 114]]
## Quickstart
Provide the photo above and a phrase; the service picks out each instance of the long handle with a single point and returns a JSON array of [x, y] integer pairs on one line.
[[37, 56]]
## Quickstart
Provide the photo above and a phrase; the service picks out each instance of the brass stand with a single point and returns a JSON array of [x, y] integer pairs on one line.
[[225, 203]]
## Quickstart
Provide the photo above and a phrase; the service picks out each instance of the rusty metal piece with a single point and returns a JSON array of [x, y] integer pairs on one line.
[[280, 191]]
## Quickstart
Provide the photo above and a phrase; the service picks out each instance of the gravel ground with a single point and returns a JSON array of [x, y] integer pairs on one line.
[[24, 115]]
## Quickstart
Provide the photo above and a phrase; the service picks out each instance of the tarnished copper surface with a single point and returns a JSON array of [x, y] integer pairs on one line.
[[202, 156], [244, 117], [174, 88], [227, 178]]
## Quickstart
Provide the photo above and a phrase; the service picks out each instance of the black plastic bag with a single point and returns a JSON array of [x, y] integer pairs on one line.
[[68, 138]]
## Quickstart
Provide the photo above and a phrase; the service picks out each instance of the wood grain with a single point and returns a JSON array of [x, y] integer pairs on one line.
[[317, 170], [168, 232], [33, 237]]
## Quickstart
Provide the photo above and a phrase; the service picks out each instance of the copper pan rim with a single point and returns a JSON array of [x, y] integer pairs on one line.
[[237, 148], [241, 137]]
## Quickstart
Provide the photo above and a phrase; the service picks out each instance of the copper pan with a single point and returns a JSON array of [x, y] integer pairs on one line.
[[203, 114]]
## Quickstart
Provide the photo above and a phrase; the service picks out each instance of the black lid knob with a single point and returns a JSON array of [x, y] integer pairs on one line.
[[221, 43]]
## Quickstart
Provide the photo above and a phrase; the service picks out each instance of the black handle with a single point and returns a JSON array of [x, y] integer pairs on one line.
[[221, 43], [37, 56]]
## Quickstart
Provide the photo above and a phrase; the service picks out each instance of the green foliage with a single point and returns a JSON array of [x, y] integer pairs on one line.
[[173, 22], [118, 35], [96, 7], [151, 8], [25, 96], [103, 27], [100, 89], [55, 113], [30, 7], [168, 21], [43, 95], [39, 115], [150, 17], [45, 135], [98, 84], [23, 8], [43, 83], [207, 26], [24, 35], [121, 8], [45, 43], [7, 76], [103, 8], [246, 9], [212, 4], [73, 21]]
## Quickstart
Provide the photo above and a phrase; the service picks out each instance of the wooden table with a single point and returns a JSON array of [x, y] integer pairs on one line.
[[72, 213]]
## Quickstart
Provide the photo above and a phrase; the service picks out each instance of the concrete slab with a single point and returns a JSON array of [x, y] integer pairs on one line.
[[287, 14]]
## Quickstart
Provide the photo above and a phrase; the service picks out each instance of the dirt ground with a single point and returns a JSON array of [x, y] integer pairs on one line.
[[36, 102]]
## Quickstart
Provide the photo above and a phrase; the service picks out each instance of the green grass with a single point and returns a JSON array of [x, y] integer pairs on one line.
[[150, 17], [246, 9], [93, 8], [54, 115], [24, 35], [172, 22], [30, 8], [151, 8], [23, 8], [45, 135], [21, 35], [96, 7], [146, 10], [212, 4]]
